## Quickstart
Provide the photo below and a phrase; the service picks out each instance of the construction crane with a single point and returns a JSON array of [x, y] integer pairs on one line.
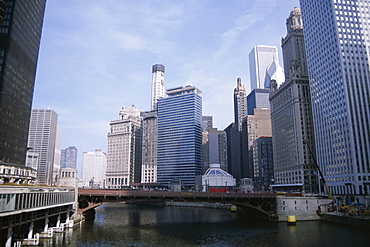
[[318, 168]]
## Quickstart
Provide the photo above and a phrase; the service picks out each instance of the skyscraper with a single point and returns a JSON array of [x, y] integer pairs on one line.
[[214, 145], [69, 157], [258, 99], [157, 84], [234, 132], [149, 151], [263, 164], [294, 52], [150, 126], [255, 126], [240, 103], [94, 165], [291, 116], [20, 34], [261, 59], [339, 71], [42, 139], [180, 136], [124, 149]]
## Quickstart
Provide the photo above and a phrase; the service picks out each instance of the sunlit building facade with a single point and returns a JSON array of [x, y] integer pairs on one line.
[[42, 140], [337, 46], [124, 150], [94, 165], [260, 60], [157, 84]]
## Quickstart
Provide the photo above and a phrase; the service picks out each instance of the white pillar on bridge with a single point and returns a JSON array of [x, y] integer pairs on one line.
[[30, 231], [8, 242], [46, 227], [58, 221]]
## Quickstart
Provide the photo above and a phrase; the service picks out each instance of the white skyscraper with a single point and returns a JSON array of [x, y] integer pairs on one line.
[[263, 61], [124, 149], [157, 84], [42, 139], [94, 165]]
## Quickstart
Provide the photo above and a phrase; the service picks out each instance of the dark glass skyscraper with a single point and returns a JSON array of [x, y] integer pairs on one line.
[[258, 99], [337, 46], [20, 34], [180, 136]]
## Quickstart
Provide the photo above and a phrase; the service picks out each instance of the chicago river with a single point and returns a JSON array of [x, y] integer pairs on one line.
[[119, 224]]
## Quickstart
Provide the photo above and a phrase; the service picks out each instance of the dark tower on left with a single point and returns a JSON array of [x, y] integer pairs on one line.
[[20, 33]]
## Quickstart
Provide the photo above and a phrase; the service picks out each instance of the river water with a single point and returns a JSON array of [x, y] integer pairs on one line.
[[119, 224]]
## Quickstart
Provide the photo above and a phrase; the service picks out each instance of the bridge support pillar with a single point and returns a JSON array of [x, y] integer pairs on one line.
[[30, 231], [58, 221], [8, 242], [46, 227]]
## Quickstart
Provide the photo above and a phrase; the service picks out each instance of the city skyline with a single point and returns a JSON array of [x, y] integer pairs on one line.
[[91, 67]]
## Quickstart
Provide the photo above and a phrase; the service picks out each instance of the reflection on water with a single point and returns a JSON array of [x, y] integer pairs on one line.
[[119, 224]]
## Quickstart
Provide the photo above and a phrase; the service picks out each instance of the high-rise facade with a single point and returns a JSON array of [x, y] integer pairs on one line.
[[291, 116], [254, 127], [294, 52], [337, 46], [69, 157], [258, 99], [179, 153], [20, 34], [260, 59], [124, 149], [240, 104], [150, 126], [42, 139], [94, 165], [263, 163], [149, 151], [214, 145], [157, 84]]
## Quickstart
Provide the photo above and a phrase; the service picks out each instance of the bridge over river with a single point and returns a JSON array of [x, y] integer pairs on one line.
[[270, 206]]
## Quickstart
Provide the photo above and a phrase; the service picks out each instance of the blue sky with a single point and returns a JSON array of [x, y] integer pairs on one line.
[[96, 56]]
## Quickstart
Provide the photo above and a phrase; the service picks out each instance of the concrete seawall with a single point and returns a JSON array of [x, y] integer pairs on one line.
[[348, 220]]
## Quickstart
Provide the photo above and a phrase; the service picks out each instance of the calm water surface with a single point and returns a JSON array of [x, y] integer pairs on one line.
[[120, 224]]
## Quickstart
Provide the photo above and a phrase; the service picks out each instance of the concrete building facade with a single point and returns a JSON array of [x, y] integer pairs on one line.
[[157, 84], [124, 155], [291, 116], [42, 139], [149, 152], [94, 166]]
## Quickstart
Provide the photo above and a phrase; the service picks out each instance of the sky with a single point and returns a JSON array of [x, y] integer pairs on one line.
[[96, 57]]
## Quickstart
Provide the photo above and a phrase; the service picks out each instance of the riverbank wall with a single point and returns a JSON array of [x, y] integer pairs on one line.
[[348, 220]]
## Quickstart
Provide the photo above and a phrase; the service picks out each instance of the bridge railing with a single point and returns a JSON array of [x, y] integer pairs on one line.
[[16, 198]]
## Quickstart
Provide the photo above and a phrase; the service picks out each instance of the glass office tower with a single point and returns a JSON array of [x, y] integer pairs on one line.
[[180, 137], [337, 45], [20, 34]]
